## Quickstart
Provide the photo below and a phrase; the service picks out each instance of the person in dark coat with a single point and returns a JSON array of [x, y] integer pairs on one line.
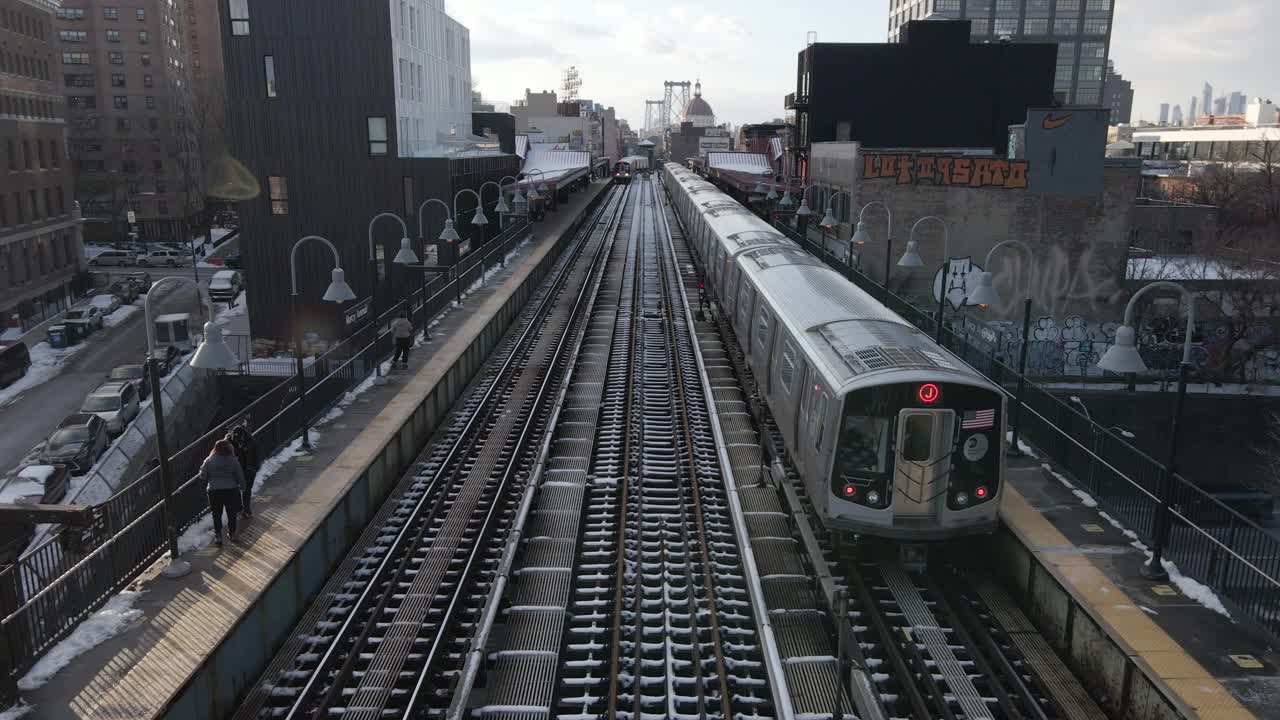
[[223, 479], [247, 453]]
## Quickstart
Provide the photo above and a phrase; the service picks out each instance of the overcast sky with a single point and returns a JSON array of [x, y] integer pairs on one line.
[[744, 51]]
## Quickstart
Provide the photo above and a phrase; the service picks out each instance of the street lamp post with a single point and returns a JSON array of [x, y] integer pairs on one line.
[[985, 296], [338, 292], [829, 221], [212, 354], [1123, 357], [911, 258], [501, 208], [862, 236], [449, 234], [404, 257]]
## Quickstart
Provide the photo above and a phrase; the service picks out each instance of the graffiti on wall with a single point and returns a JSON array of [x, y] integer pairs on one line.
[[945, 170], [1065, 284], [1071, 348]]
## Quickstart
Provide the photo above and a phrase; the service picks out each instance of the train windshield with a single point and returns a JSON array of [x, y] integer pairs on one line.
[[863, 446]]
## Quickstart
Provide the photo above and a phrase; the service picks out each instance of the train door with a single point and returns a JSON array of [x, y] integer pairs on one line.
[[923, 461]]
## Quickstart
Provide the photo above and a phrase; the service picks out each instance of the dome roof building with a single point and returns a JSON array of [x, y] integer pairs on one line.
[[699, 111]]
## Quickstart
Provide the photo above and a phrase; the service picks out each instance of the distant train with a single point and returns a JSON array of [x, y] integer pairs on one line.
[[894, 436], [622, 173]]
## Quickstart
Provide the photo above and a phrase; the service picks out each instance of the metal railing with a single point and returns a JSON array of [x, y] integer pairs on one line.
[[132, 532], [1210, 541]]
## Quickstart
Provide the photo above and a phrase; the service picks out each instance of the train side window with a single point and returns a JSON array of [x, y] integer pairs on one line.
[[745, 300], [819, 420], [787, 370], [762, 328], [731, 287]]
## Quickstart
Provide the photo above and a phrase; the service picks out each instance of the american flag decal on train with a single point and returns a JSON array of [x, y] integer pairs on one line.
[[978, 419]]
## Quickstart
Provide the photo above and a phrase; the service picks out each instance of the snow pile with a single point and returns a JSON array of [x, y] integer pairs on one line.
[[20, 710], [1085, 498], [100, 627], [46, 364], [123, 313], [1193, 589], [1025, 448]]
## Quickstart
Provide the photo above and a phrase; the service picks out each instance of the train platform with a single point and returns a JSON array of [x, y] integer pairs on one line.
[[1197, 662], [190, 646]]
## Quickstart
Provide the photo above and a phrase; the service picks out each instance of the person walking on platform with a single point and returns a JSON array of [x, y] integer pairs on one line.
[[247, 453], [223, 479], [402, 331]]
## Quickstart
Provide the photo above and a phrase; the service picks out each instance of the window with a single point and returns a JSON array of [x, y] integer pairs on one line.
[[13, 156], [269, 66], [151, 102], [144, 37], [1093, 52], [148, 81], [1090, 72], [48, 203], [71, 13], [1036, 26], [145, 58], [54, 155], [917, 438], [82, 102], [157, 165], [17, 204], [279, 189], [378, 142], [1097, 5], [111, 13], [120, 102], [1066, 53], [1006, 26], [1068, 6], [123, 124], [76, 36], [239, 11], [117, 80], [1095, 26], [1063, 74], [141, 14], [1087, 96], [164, 207], [80, 80], [162, 186], [819, 418], [113, 36], [1007, 7], [26, 154], [762, 328], [1065, 26], [115, 57], [787, 370], [1038, 8], [40, 154], [153, 124]]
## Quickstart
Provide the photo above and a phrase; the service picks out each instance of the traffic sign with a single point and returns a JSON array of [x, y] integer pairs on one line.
[[133, 218]]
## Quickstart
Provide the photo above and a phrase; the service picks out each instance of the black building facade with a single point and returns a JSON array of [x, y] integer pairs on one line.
[[934, 88], [501, 125], [312, 124]]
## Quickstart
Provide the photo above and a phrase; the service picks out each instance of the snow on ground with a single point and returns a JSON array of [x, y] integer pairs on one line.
[[122, 313], [20, 710], [46, 364], [1193, 589], [100, 627], [1085, 498]]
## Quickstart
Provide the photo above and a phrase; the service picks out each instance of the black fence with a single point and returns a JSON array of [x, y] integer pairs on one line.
[[51, 590], [1210, 542]]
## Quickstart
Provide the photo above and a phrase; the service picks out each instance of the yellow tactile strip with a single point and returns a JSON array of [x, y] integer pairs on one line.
[[1158, 655]]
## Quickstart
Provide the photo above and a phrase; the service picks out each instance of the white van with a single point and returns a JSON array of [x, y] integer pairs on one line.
[[225, 285]]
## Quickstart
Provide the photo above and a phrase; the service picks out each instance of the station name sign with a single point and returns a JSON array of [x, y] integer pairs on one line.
[[945, 170]]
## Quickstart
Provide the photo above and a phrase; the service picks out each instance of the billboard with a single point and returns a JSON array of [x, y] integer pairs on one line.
[[1065, 148]]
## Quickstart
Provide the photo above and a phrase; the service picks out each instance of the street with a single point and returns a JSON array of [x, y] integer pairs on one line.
[[33, 415]]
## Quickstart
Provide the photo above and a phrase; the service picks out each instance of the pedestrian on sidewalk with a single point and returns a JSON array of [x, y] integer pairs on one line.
[[402, 331], [247, 453], [223, 478]]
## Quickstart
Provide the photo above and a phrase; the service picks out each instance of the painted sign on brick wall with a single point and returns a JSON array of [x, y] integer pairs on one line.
[[945, 170]]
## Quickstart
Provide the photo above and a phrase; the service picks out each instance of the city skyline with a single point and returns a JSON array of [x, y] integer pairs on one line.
[[745, 53]]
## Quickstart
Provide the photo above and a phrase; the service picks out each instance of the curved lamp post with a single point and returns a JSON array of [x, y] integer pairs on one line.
[[911, 258], [449, 234], [534, 192], [786, 200], [337, 292], [803, 210], [985, 296], [862, 236], [212, 354], [405, 256], [1123, 357]]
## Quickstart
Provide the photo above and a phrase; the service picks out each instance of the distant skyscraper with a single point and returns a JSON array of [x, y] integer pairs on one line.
[[1118, 95], [1191, 112], [1220, 106], [1176, 118], [1237, 102], [1083, 34], [1164, 113], [1206, 99]]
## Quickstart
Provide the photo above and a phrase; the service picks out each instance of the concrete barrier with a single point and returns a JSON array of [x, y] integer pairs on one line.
[[214, 690]]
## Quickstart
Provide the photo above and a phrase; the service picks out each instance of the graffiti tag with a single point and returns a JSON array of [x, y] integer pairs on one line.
[[945, 170]]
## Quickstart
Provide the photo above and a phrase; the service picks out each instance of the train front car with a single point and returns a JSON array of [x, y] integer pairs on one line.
[[918, 458], [622, 173]]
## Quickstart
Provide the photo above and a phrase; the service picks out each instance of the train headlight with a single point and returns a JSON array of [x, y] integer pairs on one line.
[[962, 498], [873, 498]]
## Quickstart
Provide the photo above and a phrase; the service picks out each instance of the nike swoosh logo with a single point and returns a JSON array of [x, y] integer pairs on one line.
[[1053, 123]]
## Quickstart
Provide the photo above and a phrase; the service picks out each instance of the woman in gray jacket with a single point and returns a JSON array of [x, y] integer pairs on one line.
[[223, 477]]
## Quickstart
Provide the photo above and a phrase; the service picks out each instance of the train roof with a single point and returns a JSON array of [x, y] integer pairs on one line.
[[851, 332]]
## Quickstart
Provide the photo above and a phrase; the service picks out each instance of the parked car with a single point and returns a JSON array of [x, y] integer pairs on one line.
[[157, 257], [187, 250], [134, 374], [233, 261], [115, 402], [140, 280], [88, 317], [106, 301], [125, 290], [78, 442], [113, 258], [225, 285], [15, 361]]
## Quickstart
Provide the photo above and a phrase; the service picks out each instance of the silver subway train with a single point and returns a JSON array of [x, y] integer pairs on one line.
[[894, 436]]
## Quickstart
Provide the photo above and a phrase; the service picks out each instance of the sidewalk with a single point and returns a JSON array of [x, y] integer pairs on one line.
[[169, 628]]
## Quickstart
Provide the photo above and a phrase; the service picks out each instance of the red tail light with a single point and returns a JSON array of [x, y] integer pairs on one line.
[[981, 492], [850, 491]]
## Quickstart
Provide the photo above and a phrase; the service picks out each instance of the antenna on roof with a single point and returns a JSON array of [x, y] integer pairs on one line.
[[811, 37]]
